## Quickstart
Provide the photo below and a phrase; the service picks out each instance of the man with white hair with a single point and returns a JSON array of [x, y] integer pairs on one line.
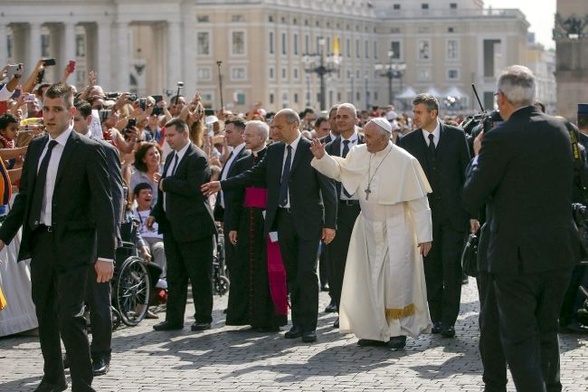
[[384, 293]]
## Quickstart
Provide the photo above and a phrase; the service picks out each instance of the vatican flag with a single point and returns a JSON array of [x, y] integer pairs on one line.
[[336, 48]]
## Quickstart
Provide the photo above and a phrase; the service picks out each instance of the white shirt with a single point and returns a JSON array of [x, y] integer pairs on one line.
[[353, 140], [436, 134], [227, 166], [56, 153], [180, 154]]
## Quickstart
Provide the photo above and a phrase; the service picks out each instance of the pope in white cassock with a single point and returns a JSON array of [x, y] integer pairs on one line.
[[384, 294]]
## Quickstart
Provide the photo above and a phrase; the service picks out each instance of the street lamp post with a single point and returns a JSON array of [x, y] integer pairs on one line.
[[393, 70], [316, 63]]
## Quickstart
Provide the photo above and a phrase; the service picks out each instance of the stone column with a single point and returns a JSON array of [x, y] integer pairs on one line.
[[102, 56], [3, 45], [189, 69], [68, 49], [174, 54], [122, 67], [34, 46]]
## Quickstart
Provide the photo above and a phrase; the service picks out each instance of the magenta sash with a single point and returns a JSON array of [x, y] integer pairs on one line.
[[257, 197]]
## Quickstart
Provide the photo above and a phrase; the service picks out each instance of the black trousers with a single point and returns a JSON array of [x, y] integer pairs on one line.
[[443, 274], [491, 353], [346, 216], [300, 260], [528, 307], [98, 298], [188, 261], [59, 292]]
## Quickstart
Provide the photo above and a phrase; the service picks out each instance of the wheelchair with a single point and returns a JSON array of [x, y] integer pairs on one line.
[[131, 284], [221, 282]]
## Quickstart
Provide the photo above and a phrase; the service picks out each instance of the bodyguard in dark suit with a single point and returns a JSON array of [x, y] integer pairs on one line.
[[443, 153], [185, 220], [524, 172], [99, 294], [301, 207], [348, 208], [65, 208]]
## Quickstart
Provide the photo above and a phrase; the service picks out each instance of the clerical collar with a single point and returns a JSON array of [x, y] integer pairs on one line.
[[383, 152]]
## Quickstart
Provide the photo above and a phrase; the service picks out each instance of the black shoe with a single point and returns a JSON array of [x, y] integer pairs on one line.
[[397, 342], [100, 366], [325, 287], [309, 336], [167, 326], [371, 343], [436, 328], [66, 362], [331, 308], [293, 333], [45, 386], [200, 327], [448, 332], [336, 323]]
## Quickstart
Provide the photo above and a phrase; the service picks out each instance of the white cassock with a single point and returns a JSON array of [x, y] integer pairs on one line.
[[384, 291]]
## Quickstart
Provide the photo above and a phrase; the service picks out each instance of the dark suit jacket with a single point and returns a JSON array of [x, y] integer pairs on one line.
[[116, 185], [524, 173], [333, 148], [452, 158], [83, 218], [308, 189], [188, 215], [224, 214]]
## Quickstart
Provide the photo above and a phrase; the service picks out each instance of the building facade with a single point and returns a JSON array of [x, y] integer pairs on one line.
[[284, 53]]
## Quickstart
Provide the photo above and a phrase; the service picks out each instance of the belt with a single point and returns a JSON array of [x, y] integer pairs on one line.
[[44, 228], [349, 203]]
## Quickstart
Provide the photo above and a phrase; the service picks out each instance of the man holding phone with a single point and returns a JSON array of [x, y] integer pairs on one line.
[[13, 71]]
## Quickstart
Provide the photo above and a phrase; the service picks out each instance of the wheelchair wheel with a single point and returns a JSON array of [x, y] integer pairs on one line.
[[221, 285], [116, 318], [132, 291]]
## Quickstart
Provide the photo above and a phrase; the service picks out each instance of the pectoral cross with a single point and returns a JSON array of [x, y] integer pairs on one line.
[[367, 192]]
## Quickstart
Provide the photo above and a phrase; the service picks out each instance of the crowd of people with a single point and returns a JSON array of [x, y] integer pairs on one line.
[[383, 201]]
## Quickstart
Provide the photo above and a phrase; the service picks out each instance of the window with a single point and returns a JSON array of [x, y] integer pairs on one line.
[[271, 42], [452, 74], [295, 74], [453, 6], [376, 50], [9, 45], [284, 73], [203, 43], [306, 44], [367, 49], [424, 50], [357, 48], [270, 18], [45, 42], [284, 44], [238, 43], [295, 97], [450, 30], [424, 75], [271, 98], [396, 6], [237, 18], [238, 73], [395, 49], [203, 73], [424, 6], [80, 46], [452, 49], [207, 97], [348, 47], [203, 19], [295, 44], [272, 73], [285, 97]]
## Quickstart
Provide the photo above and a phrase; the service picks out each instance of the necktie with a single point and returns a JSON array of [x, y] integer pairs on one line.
[[344, 154], [175, 164], [431, 143], [285, 177], [39, 188]]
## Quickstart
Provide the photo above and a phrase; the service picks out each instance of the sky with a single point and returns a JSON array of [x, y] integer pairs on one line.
[[538, 13]]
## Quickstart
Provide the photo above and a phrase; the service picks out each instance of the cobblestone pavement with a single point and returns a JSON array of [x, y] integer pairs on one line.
[[233, 359]]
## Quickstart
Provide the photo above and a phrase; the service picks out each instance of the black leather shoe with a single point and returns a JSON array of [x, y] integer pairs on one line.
[[167, 326], [200, 327], [325, 287], [371, 343], [336, 323], [397, 342], [293, 333], [45, 386], [448, 332], [331, 308], [309, 336], [100, 366], [66, 362], [436, 328]]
